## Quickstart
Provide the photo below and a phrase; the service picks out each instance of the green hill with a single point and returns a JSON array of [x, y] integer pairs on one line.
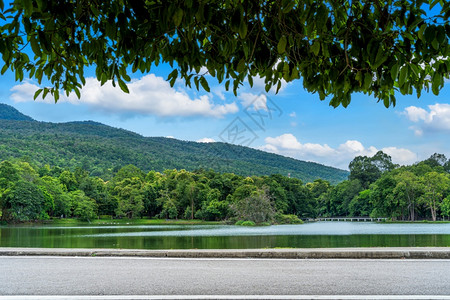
[[103, 149], [10, 113]]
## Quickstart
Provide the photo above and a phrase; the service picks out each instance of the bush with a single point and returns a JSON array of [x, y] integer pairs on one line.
[[287, 219], [245, 223]]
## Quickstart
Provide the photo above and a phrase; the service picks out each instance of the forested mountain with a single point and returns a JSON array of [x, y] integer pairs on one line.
[[10, 113], [102, 150]]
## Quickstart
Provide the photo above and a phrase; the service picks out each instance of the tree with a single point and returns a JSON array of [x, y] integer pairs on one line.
[[86, 210], [24, 202], [68, 179], [61, 204], [384, 204], [435, 184], [341, 196], [336, 47], [360, 204], [445, 207], [436, 160], [257, 208], [129, 194], [407, 190], [368, 169]]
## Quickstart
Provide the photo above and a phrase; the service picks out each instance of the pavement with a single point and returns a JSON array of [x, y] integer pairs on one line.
[[285, 253], [231, 278]]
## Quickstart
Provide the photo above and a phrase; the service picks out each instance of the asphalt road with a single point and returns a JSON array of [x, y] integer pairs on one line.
[[172, 276]]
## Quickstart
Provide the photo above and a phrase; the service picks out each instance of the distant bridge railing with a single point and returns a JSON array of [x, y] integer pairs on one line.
[[344, 219]]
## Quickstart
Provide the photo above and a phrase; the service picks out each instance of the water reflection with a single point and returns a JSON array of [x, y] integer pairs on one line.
[[312, 235]]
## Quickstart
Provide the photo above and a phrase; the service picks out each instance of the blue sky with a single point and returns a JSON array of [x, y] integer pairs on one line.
[[295, 123]]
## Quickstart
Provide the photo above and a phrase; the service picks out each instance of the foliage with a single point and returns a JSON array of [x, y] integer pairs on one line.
[[256, 207], [86, 210], [337, 48], [368, 169], [245, 223], [287, 219], [23, 202], [103, 151], [435, 185], [409, 193]]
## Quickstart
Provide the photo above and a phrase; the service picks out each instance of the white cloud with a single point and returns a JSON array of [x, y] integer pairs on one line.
[[293, 114], [288, 145], [436, 118], [150, 95], [258, 102], [401, 156], [206, 140]]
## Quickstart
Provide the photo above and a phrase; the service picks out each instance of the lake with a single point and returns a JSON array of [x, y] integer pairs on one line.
[[308, 235]]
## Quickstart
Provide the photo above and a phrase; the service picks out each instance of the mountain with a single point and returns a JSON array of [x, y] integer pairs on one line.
[[10, 113], [102, 149]]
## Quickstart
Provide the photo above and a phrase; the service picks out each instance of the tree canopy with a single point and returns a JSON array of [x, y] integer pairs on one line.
[[336, 47]]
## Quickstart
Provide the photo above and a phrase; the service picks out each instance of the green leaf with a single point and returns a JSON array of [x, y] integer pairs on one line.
[[394, 71], [46, 90], [415, 69], [315, 48], [241, 66], [421, 31], [178, 16], [77, 91], [126, 77], [358, 77], [436, 83], [278, 86], [281, 47], [386, 102], [173, 74], [204, 84], [435, 44], [35, 46], [367, 81], [123, 86], [322, 17], [37, 93], [380, 58], [250, 80], [5, 67], [403, 76], [55, 94], [430, 34], [243, 29]]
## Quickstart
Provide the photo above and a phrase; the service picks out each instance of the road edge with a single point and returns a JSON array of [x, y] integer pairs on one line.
[[288, 253]]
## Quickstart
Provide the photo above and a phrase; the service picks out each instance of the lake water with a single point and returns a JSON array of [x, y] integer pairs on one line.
[[309, 235]]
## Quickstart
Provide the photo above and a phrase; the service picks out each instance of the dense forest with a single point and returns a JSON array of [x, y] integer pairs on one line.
[[103, 150], [376, 187]]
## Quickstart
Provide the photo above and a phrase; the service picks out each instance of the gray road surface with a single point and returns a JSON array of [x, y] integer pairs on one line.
[[173, 276]]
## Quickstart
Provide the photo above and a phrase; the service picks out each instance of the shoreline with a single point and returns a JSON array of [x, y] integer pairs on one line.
[[284, 253]]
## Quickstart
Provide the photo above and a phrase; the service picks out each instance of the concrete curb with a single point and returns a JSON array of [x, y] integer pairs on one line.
[[317, 253]]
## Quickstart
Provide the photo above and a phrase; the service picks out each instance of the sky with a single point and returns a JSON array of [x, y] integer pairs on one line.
[[292, 123]]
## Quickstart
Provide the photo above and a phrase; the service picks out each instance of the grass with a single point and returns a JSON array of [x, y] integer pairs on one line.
[[110, 221]]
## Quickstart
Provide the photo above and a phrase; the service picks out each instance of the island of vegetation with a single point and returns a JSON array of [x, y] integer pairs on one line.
[[376, 187]]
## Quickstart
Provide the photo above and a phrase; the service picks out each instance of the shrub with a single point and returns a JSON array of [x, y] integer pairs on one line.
[[248, 223], [287, 219]]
